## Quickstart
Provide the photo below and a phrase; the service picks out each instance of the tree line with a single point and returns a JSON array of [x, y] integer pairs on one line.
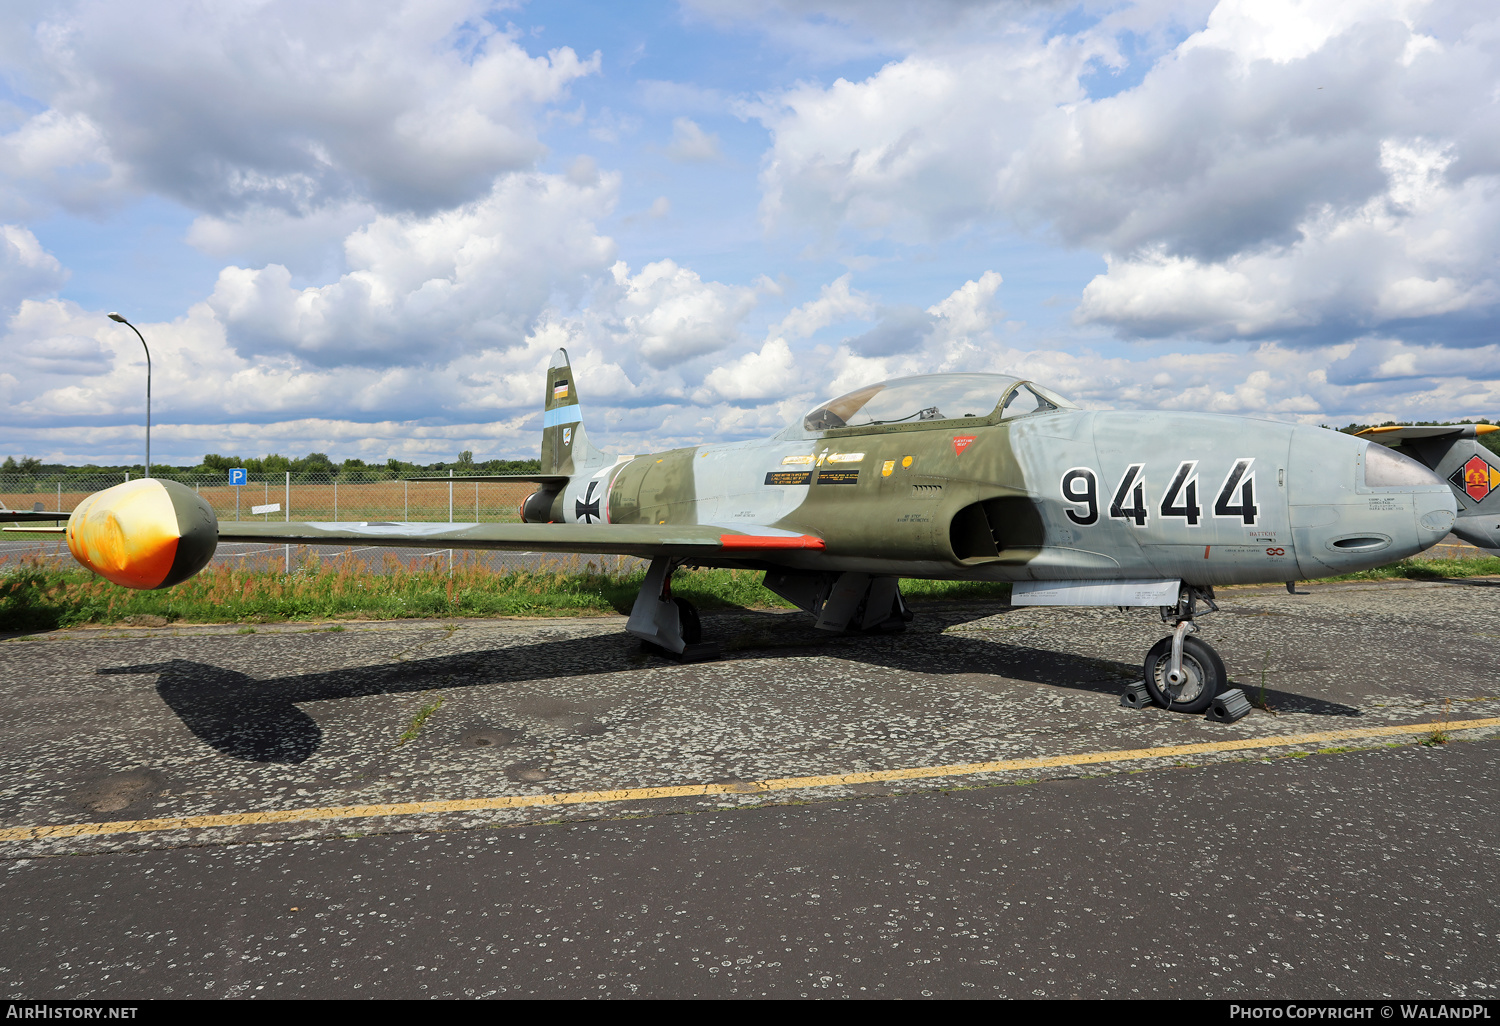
[[315, 466], [1490, 440]]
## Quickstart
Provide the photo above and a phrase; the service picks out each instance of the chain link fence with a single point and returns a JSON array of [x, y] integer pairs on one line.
[[345, 497], [342, 497]]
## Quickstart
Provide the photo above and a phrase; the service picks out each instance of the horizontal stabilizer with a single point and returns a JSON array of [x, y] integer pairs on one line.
[[644, 540], [1399, 433], [16, 516]]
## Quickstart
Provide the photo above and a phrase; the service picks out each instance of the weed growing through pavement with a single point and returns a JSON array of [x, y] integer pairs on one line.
[[1439, 734], [415, 727], [1260, 699]]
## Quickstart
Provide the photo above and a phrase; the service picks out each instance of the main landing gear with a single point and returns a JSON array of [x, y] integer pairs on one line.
[[664, 622], [1184, 673]]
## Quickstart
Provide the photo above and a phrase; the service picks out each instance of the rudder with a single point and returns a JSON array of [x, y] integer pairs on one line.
[[565, 445], [1454, 453]]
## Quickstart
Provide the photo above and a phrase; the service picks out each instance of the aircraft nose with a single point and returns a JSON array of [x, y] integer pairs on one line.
[[1358, 504]]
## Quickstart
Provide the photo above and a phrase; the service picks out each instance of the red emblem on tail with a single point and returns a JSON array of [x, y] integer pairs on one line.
[[960, 443], [1476, 477]]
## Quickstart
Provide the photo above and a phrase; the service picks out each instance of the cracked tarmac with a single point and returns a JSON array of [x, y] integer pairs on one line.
[[124, 724]]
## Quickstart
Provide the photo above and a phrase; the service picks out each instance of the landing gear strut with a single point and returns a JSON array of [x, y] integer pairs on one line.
[[671, 624], [1184, 673]]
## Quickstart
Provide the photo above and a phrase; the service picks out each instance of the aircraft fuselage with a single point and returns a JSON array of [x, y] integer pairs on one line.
[[1066, 494]]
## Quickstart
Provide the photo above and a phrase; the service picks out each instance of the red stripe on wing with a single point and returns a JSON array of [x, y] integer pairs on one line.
[[760, 541]]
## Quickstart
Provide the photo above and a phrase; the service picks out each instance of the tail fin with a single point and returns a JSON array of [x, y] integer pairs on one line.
[[1472, 470], [565, 444]]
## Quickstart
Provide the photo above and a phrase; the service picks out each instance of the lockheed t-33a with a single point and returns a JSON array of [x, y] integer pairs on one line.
[[961, 476]]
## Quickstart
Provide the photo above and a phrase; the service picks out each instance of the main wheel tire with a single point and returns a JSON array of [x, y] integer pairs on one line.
[[1204, 669], [687, 616]]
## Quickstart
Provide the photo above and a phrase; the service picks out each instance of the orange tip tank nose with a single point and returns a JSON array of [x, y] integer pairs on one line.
[[144, 534]]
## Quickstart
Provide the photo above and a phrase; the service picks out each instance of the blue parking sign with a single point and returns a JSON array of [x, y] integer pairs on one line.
[[237, 476]]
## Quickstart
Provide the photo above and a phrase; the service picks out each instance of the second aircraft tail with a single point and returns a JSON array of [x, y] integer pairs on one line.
[[1454, 453]]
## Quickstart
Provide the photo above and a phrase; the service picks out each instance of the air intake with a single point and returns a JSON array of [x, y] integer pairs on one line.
[[990, 529]]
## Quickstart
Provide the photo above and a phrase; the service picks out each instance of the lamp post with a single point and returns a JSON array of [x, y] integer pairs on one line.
[[132, 327]]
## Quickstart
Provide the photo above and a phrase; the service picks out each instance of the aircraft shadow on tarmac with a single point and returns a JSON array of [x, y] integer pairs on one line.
[[258, 720]]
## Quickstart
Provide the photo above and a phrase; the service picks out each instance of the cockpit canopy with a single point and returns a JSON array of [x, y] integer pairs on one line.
[[935, 397]]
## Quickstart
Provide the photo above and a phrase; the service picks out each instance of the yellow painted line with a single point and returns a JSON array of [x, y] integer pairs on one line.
[[142, 826]]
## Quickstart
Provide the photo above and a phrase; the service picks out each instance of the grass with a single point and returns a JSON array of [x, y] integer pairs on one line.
[[37, 597], [34, 596], [1418, 569]]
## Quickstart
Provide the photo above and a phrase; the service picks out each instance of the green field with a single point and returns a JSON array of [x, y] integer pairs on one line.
[[36, 597]]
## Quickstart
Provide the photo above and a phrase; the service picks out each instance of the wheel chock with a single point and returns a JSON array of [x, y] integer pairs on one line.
[[700, 652], [1136, 696], [1229, 706]]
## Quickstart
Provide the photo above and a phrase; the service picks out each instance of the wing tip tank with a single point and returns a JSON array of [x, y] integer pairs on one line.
[[144, 534]]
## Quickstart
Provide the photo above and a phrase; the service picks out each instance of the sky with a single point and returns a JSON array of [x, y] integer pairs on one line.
[[362, 228]]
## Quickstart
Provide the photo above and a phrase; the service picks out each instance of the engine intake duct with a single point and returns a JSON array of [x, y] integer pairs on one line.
[[1008, 529]]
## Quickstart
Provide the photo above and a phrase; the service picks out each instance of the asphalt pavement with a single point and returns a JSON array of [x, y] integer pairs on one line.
[[142, 772]]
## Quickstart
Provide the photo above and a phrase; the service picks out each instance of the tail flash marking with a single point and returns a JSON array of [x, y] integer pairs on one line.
[[561, 415]]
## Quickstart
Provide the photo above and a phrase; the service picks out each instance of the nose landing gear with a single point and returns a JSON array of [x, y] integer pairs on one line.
[[1184, 673]]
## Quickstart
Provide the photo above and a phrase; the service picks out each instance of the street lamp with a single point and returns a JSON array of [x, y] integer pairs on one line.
[[132, 327]]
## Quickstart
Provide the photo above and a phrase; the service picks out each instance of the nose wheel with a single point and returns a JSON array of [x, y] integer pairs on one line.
[[1199, 678], [1184, 673]]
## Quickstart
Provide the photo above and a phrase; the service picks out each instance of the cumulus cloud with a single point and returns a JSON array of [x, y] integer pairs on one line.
[[72, 366], [912, 151], [900, 330], [305, 242], [691, 144], [952, 332], [667, 313], [1420, 251], [641, 336], [231, 106], [1305, 193], [1290, 168], [425, 289], [57, 157], [832, 31], [26, 269], [762, 374], [836, 302]]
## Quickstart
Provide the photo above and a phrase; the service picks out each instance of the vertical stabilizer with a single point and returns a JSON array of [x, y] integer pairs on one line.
[[1455, 453], [565, 445]]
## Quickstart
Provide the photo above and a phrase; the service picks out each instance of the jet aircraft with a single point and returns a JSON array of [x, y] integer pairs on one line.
[[957, 476]]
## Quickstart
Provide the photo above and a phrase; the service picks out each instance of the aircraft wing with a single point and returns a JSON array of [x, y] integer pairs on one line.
[[644, 540], [14, 516], [1398, 432], [556, 480]]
